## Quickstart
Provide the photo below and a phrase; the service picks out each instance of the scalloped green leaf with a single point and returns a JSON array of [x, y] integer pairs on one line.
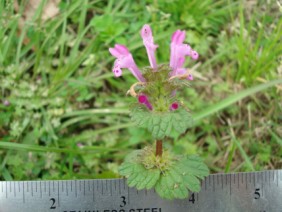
[[161, 124], [194, 165], [180, 176], [138, 176]]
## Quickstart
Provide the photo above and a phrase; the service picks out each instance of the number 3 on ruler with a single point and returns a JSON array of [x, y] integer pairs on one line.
[[53, 200], [123, 201]]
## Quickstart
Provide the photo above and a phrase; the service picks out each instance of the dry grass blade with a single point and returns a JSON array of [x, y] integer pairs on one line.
[[50, 10]]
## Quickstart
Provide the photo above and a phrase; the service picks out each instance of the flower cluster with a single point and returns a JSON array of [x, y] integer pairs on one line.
[[178, 53]]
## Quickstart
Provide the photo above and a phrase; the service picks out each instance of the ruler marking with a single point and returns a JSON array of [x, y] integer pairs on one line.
[[49, 188], [128, 194], [40, 188], [119, 187], [115, 182], [84, 187], [230, 182], [111, 188], [238, 185], [58, 185], [269, 179], [97, 185], [213, 187], [6, 189], [93, 191], [106, 186], [102, 187], [23, 194], [67, 190], [71, 186], [246, 181], [221, 181], [15, 189], [31, 187], [262, 190], [75, 188], [254, 176], [277, 179], [256, 179]]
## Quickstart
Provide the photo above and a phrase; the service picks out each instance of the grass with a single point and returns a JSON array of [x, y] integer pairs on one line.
[[68, 116]]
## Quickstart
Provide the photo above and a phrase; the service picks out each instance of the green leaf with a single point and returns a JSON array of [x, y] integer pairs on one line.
[[173, 180], [194, 165], [161, 124], [138, 175]]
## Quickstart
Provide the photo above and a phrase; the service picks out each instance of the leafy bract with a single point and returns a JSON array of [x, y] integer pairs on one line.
[[173, 182], [160, 124]]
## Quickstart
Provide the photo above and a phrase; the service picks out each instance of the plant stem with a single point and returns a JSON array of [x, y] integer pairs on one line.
[[159, 148]]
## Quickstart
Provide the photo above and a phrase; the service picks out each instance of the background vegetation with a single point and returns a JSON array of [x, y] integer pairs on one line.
[[64, 116]]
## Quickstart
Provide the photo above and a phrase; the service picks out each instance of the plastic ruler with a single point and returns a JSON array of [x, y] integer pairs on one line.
[[250, 191]]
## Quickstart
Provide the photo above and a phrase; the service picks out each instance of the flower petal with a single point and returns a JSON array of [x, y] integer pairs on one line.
[[117, 71], [148, 41], [122, 49], [114, 52], [190, 77], [124, 60], [177, 48], [194, 55]]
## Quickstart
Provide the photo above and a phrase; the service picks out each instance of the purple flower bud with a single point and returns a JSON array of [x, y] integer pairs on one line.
[[143, 99], [174, 106], [79, 145], [6, 102]]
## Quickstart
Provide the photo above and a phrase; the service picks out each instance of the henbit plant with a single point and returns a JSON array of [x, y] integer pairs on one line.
[[159, 110]]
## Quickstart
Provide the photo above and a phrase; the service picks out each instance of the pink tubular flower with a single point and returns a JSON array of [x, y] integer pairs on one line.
[[124, 60], [178, 51], [143, 99], [148, 41]]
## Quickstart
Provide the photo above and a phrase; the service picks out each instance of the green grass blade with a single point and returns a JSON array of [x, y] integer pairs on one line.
[[36, 148], [234, 98], [244, 155]]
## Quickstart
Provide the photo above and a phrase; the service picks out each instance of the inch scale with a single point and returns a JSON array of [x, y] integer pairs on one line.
[[238, 192]]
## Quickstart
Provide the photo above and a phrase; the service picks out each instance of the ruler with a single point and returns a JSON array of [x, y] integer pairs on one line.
[[242, 192]]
